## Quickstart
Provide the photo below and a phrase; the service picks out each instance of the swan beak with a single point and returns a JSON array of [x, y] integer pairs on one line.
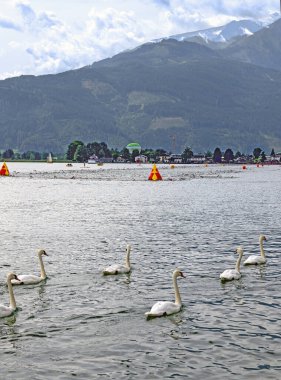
[[182, 275], [45, 253]]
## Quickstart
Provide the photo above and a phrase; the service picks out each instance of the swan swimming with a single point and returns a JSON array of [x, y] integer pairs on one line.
[[162, 308], [257, 259], [119, 268], [5, 311], [233, 274], [31, 279]]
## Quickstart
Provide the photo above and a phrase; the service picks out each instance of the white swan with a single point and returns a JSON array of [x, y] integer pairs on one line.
[[257, 259], [162, 308], [118, 268], [5, 311], [233, 274], [31, 279]]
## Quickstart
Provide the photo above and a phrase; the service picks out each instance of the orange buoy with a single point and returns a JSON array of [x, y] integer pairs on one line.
[[154, 174], [244, 167], [4, 170]]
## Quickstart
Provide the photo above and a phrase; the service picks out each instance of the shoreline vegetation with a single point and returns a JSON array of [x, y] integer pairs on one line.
[[97, 153]]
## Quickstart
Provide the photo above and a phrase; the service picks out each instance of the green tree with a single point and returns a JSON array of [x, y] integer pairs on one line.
[[37, 156], [228, 155], [208, 154], [126, 154], [31, 156], [160, 152], [9, 153], [98, 149], [115, 153], [262, 156], [272, 153], [105, 149], [93, 148], [17, 156], [44, 156], [71, 150], [81, 154], [237, 154], [150, 153], [187, 154], [134, 154], [217, 155], [257, 153]]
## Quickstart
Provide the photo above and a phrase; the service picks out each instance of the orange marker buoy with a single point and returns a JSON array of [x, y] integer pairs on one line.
[[154, 174], [4, 170], [172, 166], [244, 167]]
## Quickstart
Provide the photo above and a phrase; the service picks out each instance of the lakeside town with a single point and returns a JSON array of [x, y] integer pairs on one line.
[[99, 153]]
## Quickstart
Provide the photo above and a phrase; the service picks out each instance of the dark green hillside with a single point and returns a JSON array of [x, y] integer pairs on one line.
[[156, 91]]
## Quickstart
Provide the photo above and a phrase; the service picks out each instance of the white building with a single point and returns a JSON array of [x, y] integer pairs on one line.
[[141, 159]]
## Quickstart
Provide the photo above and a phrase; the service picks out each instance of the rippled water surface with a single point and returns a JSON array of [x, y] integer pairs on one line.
[[81, 324]]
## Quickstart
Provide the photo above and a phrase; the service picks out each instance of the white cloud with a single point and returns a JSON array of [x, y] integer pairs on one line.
[[162, 3], [9, 24], [105, 33], [36, 23], [50, 43]]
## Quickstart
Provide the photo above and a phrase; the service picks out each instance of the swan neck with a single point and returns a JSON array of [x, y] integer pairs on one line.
[[262, 250], [12, 297], [177, 292], [239, 262], [43, 273], [128, 264]]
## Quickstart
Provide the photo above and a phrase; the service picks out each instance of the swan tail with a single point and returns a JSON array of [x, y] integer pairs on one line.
[[150, 315], [107, 273]]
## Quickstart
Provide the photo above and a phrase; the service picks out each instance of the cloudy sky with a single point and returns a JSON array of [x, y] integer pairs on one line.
[[40, 37]]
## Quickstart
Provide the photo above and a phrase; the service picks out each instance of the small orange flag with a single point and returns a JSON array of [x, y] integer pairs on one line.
[[154, 174], [4, 170]]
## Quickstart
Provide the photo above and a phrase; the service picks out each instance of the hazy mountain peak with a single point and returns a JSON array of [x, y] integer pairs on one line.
[[263, 48], [231, 30]]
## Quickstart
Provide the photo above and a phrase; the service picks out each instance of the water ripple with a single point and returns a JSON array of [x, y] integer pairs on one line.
[[82, 324]]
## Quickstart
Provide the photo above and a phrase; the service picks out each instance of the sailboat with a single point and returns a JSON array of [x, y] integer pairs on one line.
[[50, 159]]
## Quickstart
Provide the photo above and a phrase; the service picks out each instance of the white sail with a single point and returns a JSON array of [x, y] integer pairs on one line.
[[49, 158]]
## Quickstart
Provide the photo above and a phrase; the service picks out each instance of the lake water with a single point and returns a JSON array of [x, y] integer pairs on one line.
[[84, 325]]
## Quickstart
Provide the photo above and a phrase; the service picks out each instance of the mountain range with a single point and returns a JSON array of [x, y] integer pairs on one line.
[[227, 33], [168, 94]]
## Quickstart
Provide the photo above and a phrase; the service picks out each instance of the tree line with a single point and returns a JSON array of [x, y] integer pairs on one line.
[[78, 151], [31, 155], [228, 155]]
